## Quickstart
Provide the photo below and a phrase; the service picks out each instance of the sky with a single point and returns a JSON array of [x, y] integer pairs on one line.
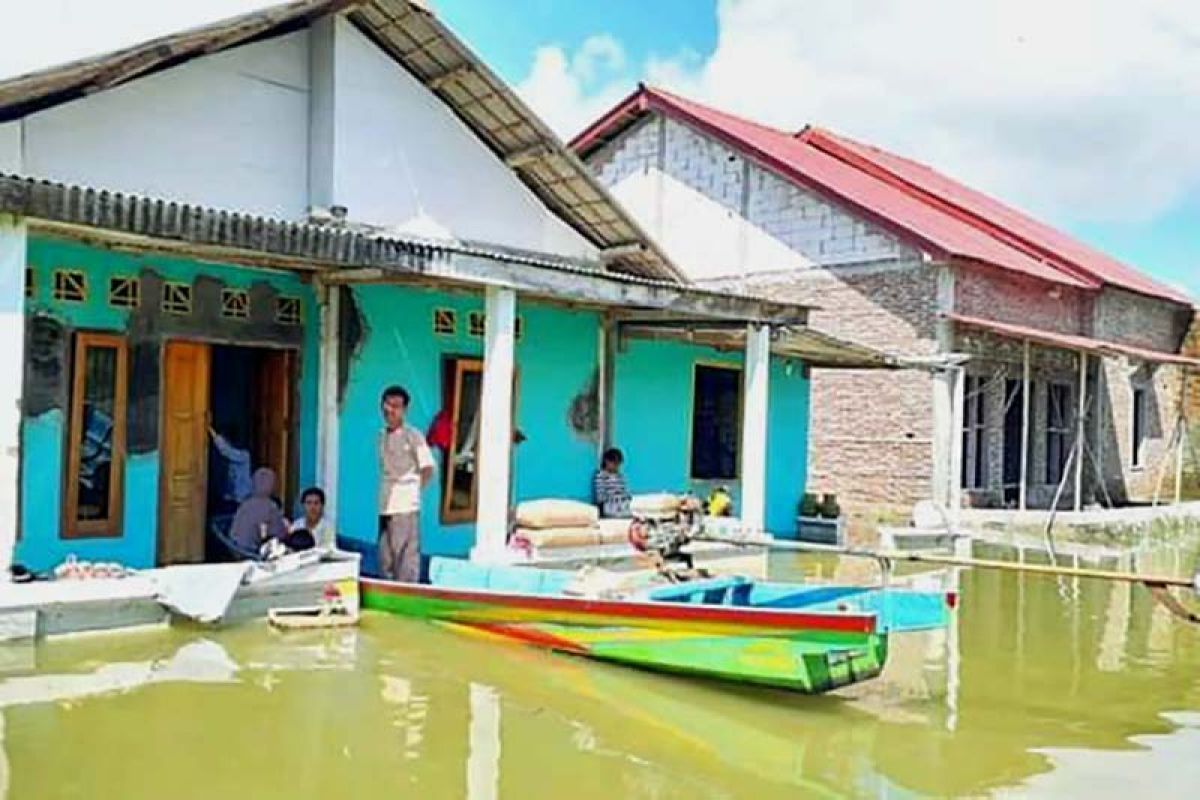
[[1085, 113]]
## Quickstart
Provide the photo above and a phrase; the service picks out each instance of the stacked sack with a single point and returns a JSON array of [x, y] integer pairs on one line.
[[550, 524]]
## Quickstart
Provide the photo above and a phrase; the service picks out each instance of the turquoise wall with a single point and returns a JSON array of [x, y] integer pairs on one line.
[[556, 357], [652, 395], [42, 437]]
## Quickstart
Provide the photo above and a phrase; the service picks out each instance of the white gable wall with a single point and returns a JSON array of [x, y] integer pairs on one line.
[[404, 160], [229, 130], [719, 216], [320, 117]]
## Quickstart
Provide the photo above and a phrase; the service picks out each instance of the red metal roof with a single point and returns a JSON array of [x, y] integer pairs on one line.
[[940, 215], [1073, 342]]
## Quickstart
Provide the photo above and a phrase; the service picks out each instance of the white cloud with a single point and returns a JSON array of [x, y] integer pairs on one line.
[[1079, 109], [570, 92]]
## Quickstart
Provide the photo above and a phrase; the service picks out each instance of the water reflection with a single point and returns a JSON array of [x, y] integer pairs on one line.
[[1033, 691]]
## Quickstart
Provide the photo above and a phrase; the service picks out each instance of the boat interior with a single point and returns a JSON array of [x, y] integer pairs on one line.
[[896, 609]]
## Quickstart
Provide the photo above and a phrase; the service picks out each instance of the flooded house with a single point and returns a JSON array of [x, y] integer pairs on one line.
[[1071, 386], [239, 235]]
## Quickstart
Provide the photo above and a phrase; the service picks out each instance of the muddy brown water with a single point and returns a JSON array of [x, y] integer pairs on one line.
[[1041, 688]]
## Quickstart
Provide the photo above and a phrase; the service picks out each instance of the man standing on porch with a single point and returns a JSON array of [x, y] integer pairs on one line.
[[405, 468]]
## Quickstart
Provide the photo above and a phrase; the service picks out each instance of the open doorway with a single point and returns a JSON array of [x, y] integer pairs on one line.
[[246, 395]]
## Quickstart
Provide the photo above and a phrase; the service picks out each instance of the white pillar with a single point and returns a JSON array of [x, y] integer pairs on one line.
[[1080, 430], [327, 391], [483, 757], [1026, 390], [754, 427], [13, 241], [495, 426]]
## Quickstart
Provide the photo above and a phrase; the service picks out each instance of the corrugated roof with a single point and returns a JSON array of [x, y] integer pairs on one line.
[[938, 214], [412, 35], [1074, 342]]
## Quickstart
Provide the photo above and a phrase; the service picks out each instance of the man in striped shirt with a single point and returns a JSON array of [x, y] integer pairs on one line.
[[608, 486]]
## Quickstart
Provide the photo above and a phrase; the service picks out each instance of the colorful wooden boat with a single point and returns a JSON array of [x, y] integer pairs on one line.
[[809, 639]]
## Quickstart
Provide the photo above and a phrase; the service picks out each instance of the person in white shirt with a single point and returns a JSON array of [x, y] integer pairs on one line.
[[405, 468], [315, 521]]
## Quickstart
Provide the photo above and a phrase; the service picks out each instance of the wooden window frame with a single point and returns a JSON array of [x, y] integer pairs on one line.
[[690, 455], [73, 527], [463, 365]]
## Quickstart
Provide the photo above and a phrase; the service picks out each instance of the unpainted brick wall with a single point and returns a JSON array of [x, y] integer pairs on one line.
[[1011, 298], [871, 437], [775, 208]]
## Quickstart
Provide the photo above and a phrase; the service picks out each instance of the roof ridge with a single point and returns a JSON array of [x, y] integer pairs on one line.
[[832, 144]]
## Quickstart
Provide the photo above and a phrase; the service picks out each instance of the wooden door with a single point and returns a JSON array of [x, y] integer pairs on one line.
[[184, 478], [274, 410]]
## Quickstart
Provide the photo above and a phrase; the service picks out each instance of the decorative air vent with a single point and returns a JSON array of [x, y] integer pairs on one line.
[[445, 321], [177, 298], [70, 285], [477, 323], [235, 304], [124, 292], [29, 282], [287, 310]]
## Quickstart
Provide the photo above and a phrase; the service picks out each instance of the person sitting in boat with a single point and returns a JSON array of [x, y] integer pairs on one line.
[[315, 521], [609, 491]]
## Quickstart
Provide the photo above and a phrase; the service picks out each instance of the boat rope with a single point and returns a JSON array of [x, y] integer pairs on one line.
[[1159, 585]]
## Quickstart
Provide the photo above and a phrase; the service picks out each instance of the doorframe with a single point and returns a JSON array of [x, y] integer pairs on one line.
[[293, 431]]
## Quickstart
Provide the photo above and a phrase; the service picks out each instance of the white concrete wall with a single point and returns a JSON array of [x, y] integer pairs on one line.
[[719, 217], [12, 332], [404, 160], [229, 130], [10, 148], [320, 117]]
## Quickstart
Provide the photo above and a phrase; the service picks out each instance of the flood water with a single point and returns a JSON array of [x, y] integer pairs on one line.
[[1042, 689]]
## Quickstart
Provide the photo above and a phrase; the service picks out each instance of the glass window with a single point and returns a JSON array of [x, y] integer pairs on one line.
[[97, 436], [716, 422]]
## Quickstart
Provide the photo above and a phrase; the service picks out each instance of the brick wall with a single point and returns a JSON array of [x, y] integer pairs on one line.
[[871, 438], [1140, 321], [720, 215], [1191, 347], [1012, 298]]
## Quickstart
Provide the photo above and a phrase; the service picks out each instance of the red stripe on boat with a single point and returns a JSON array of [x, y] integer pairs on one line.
[[782, 620], [529, 636]]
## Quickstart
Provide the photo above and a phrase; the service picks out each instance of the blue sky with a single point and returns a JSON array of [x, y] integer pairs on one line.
[[1085, 113], [1087, 141]]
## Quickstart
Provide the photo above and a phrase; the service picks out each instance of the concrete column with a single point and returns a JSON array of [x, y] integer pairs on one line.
[[322, 38], [327, 390], [607, 378], [754, 427], [483, 759], [959, 410], [495, 426], [13, 255], [1026, 407], [1080, 430]]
